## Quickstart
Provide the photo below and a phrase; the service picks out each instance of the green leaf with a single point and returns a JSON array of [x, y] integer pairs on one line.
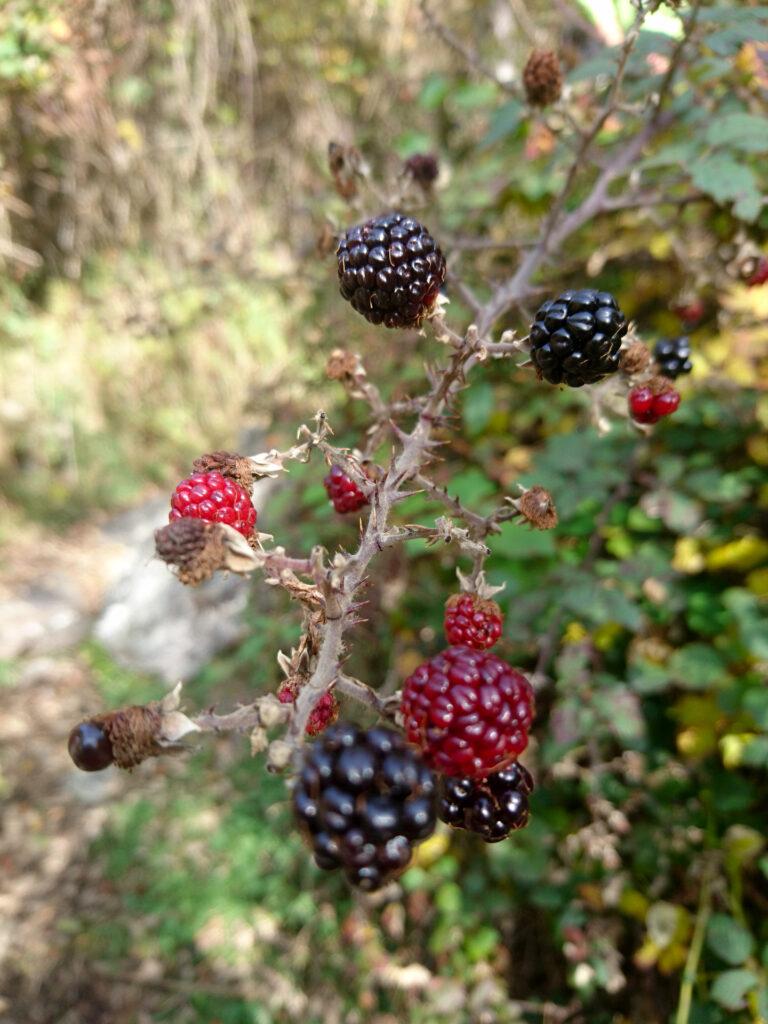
[[504, 122], [746, 132], [730, 940], [477, 409], [697, 667], [751, 620], [731, 987], [725, 179]]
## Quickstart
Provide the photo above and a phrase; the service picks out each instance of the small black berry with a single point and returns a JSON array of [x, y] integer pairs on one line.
[[363, 799], [90, 747], [673, 356], [491, 807], [576, 338], [390, 270]]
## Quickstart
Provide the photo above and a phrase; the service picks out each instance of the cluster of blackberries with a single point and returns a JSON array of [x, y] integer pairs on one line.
[[491, 807], [363, 799]]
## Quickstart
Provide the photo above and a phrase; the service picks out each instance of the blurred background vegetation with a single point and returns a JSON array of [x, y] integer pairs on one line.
[[163, 191]]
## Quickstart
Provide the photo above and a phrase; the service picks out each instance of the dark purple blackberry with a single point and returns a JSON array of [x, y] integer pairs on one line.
[[90, 747], [673, 356], [363, 799], [390, 269], [492, 807], [575, 338]]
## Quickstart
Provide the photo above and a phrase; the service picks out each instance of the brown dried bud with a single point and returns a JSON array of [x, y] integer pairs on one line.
[[536, 505], [326, 241], [236, 467], [134, 732], [635, 358], [194, 547], [342, 365], [543, 78], [345, 164], [423, 168]]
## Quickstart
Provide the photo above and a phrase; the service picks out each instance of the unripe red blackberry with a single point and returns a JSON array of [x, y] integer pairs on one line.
[[344, 493], [691, 311], [468, 711], [491, 807], [363, 799], [324, 713], [472, 620], [760, 273], [647, 405], [90, 747], [390, 270], [576, 338], [215, 498]]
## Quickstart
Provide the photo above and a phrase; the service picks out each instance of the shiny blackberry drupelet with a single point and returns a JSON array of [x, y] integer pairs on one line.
[[90, 747], [673, 357], [364, 799], [390, 270], [575, 338], [491, 807]]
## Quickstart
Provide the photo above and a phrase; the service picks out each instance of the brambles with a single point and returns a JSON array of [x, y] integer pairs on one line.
[[649, 404], [576, 338], [343, 492], [542, 78], [90, 747], [390, 270], [216, 499], [673, 357], [363, 799], [469, 711], [491, 807], [472, 621]]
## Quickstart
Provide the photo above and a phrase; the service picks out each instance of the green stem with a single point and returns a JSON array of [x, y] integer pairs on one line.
[[697, 945]]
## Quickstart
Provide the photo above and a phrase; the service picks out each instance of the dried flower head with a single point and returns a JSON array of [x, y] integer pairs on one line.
[[229, 464], [536, 505], [543, 78], [342, 365], [193, 547], [635, 358]]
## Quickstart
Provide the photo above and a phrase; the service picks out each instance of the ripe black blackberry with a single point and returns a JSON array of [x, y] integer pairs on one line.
[[575, 338], [390, 270], [363, 799], [491, 807], [673, 356]]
